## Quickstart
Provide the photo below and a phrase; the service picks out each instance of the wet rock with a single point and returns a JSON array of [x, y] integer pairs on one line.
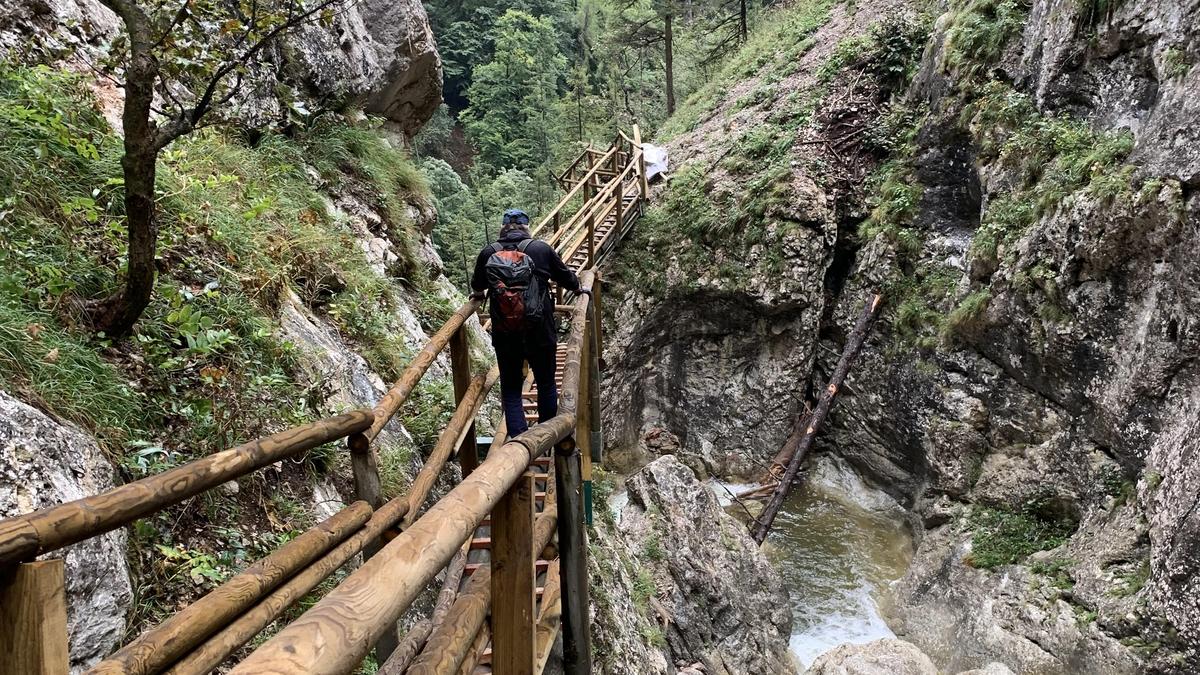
[[43, 463], [725, 606], [880, 657], [679, 581]]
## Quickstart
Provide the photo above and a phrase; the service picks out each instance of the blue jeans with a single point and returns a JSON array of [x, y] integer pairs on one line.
[[512, 351]]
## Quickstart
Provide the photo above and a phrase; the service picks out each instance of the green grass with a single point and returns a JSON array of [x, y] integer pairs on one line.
[[977, 31], [1058, 570], [1175, 62], [1131, 582], [43, 362], [1052, 158], [967, 318], [240, 226], [779, 42], [643, 588], [1002, 537]]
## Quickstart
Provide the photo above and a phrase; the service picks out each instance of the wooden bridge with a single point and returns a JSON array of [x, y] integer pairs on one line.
[[510, 537]]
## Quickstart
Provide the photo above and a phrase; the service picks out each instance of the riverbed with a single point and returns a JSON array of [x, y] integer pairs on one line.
[[839, 546]]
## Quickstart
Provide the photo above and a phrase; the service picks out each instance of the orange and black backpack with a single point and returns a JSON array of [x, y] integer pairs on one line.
[[516, 291]]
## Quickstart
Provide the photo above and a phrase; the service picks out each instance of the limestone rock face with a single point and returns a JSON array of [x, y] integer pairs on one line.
[[42, 463], [379, 54], [1073, 395], [881, 657], [376, 55], [1090, 414], [698, 581]]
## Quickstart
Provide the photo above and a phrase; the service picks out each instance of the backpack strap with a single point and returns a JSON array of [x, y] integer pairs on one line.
[[496, 248], [524, 245]]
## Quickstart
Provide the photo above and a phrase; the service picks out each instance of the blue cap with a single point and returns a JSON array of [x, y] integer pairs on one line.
[[515, 216]]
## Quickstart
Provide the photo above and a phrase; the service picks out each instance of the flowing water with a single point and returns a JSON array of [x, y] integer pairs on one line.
[[839, 545]]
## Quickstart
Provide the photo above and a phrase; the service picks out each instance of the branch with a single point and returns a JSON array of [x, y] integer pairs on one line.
[[179, 17], [188, 122]]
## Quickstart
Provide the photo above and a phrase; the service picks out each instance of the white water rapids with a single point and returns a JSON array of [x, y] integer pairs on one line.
[[839, 545]]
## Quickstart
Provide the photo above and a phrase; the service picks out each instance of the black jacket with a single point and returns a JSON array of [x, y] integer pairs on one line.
[[547, 265]]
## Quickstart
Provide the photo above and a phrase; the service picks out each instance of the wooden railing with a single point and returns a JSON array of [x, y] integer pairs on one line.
[[402, 552]]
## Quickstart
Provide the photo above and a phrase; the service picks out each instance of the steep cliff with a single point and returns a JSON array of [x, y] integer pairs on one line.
[[376, 55], [1020, 182]]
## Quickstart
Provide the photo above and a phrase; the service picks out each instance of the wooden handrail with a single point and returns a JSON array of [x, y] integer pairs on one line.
[[570, 194], [159, 648], [28, 536], [571, 228], [450, 438], [335, 635], [403, 388], [203, 660]]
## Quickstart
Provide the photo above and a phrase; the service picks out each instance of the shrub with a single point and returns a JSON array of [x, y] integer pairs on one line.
[[1003, 537], [978, 31]]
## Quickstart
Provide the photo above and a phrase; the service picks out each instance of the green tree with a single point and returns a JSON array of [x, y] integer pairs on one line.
[[177, 63], [514, 116], [467, 35]]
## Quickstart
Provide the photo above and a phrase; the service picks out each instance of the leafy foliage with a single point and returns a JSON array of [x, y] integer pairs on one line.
[[1004, 537]]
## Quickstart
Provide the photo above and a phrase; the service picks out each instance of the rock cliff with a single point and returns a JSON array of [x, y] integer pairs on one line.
[[1027, 203], [376, 55], [677, 581], [44, 462]]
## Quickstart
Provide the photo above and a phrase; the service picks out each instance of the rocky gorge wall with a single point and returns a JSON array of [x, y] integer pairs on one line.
[[1029, 209]]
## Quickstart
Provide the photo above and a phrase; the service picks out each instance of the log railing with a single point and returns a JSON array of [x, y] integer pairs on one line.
[[402, 547]]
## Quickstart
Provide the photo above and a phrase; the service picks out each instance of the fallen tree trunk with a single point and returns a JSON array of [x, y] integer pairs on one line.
[[854, 344]]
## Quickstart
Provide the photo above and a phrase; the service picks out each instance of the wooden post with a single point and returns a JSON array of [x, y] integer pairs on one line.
[[641, 155], [33, 619], [595, 427], [572, 551], [597, 318], [591, 240], [513, 584], [854, 343], [365, 467], [620, 190], [460, 366], [583, 428]]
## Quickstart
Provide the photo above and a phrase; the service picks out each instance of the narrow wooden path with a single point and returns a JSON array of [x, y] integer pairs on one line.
[[513, 527]]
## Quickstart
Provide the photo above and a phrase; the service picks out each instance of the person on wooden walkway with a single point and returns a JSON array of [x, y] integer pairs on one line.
[[515, 272]]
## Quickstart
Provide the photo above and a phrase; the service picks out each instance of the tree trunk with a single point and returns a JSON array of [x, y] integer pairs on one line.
[[854, 344], [669, 49], [117, 314], [743, 28]]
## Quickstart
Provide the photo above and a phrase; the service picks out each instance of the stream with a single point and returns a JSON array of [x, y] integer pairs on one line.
[[839, 545]]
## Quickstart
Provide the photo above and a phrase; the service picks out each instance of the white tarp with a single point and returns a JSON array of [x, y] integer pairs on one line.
[[656, 160]]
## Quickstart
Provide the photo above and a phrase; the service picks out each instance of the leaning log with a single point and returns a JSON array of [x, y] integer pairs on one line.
[[854, 344]]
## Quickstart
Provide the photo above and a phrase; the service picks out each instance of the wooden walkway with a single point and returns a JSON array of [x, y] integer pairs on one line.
[[518, 514]]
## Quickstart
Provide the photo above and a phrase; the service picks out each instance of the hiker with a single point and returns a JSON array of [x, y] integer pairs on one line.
[[516, 272]]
